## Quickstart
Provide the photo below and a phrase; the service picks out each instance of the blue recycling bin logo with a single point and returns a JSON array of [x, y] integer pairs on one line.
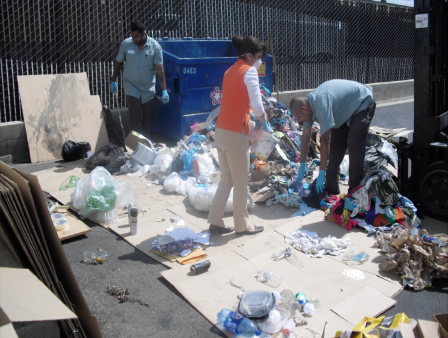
[[216, 96]]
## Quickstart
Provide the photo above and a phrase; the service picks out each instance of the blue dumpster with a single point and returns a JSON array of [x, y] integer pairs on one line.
[[194, 70]]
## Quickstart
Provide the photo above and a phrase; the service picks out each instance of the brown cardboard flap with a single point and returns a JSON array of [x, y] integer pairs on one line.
[[442, 319], [428, 329], [61, 265], [373, 302], [23, 297]]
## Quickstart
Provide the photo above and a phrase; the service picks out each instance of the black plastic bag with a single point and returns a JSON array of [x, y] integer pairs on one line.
[[110, 157], [73, 151], [375, 158]]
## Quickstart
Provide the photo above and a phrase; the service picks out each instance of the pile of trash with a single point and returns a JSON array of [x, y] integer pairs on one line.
[[414, 255], [191, 167], [375, 205], [261, 313]]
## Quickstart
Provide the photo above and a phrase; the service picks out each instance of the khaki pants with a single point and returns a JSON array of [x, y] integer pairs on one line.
[[233, 155]]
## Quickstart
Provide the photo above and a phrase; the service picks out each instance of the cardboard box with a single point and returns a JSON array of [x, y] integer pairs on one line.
[[143, 149], [442, 319], [428, 329]]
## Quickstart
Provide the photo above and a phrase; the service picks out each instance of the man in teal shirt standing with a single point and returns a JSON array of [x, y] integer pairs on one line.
[[344, 110], [142, 59]]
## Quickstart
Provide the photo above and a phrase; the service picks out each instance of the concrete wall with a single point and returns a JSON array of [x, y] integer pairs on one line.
[[381, 91], [14, 144]]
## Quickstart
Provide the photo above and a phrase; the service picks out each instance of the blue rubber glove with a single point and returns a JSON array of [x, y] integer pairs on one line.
[[252, 115], [320, 181], [302, 172], [165, 97], [114, 87], [266, 126]]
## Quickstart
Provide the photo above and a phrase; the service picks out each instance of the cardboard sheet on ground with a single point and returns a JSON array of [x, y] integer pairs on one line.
[[24, 298], [57, 108], [353, 309], [322, 279], [358, 242]]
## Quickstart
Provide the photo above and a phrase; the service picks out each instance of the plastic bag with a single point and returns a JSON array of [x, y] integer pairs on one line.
[[164, 159], [173, 183], [344, 165], [211, 117], [73, 151], [110, 157], [378, 153], [142, 171], [201, 196], [97, 196], [205, 163]]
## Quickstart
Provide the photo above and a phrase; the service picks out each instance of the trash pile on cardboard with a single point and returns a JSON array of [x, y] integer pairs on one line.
[[414, 255]]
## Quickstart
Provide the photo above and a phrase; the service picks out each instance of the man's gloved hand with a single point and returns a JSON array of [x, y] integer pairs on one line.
[[320, 181], [302, 172], [165, 97], [114, 87]]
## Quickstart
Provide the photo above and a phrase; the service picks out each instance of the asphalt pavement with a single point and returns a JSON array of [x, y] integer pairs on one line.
[[169, 314]]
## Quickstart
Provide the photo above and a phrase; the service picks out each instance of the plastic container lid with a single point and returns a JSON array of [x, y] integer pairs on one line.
[[256, 304], [275, 321]]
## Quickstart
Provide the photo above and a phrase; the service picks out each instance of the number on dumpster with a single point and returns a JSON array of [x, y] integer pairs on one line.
[[189, 70]]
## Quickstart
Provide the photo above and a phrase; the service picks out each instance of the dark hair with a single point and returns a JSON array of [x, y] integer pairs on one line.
[[137, 26], [249, 44]]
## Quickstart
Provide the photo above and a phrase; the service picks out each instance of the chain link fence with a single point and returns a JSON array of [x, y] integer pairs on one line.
[[313, 40]]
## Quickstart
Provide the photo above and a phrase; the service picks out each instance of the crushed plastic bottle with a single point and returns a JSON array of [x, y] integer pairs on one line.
[[292, 304], [270, 278], [237, 323], [95, 257]]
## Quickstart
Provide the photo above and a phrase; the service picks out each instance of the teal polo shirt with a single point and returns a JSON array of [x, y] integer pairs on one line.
[[335, 102], [139, 74]]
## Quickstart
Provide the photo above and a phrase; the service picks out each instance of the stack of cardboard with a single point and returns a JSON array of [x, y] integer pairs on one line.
[[27, 230]]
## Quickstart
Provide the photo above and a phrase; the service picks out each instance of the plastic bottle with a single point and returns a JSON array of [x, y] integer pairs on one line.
[[269, 277], [292, 304], [237, 323], [307, 306]]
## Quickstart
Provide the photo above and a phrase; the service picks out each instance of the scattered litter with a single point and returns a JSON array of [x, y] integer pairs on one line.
[[173, 219], [313, 246], [289, 256], [123, 295], [361, 257], [95, 257], [161, 220], [355, 274], [70, 182]]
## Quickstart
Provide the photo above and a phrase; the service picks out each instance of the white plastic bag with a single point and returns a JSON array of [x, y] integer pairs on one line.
[[344, 165], [142, 171], [173, 183], [205, 163], [97, 196], [165, 160], [201, 197]]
